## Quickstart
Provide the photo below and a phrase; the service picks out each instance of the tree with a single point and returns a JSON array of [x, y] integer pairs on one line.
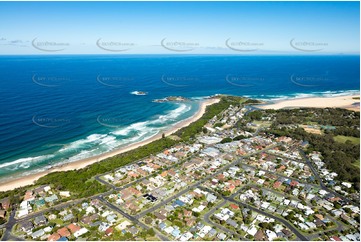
[[226, 140], [205, 130], [151, 232]]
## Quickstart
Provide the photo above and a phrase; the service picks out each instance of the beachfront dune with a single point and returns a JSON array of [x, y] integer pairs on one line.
[[351, 102]]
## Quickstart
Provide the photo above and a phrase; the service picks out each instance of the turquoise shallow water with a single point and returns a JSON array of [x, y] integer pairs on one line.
[[57, 109]]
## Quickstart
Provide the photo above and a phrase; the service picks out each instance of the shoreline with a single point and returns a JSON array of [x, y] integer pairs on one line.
[[345, 102], [76, 165]]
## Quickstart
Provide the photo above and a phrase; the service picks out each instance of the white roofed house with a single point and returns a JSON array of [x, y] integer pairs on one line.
[[112, 218], [64, 194], [80, 232], [346, 184], [51, 199], [252, 230], [109, 178], [47, 188], [38, 234], [271, 235], [90, 209], [211, 198], [25, 209], [210, 151]]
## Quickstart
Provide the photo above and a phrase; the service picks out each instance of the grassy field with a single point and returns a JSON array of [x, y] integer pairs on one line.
[[57, 221], [263, 123], [343, 139]]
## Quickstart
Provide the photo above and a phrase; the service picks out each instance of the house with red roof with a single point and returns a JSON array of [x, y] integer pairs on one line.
[[73, 228], [277, 184], [335, 238], [109, 231], [293, 183], [54, 237], [234, 206], [63, 232]]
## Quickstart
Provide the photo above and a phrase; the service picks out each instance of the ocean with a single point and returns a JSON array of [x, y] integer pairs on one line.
[[59, 109]]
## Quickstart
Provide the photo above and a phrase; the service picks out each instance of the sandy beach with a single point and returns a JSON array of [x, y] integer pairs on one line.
[[28, 180], [346, 102]]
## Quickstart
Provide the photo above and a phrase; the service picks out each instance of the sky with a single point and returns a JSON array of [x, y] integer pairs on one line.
[[179, 28]]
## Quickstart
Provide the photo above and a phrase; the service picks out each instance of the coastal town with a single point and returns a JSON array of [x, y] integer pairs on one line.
[[233, 181]]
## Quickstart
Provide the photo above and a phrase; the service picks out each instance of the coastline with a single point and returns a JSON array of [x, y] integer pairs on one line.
[[316, 102], [30, 179]]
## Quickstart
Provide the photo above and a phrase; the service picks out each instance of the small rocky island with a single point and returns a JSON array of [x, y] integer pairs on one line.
[[171, 99], [139, 93]]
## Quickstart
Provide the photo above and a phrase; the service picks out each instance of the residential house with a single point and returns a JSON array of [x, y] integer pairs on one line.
[[26, 226], [63, 232], [133, 230], [90, 219], [64, 194], [54, 237], [260, 236], [68, 217], [37, 234], [40, 220], [211, 198], [73, 228], [80, 232], [109, 231], [51, 199]]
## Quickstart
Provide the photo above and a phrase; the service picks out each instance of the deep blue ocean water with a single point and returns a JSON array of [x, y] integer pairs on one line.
[[57, 109]]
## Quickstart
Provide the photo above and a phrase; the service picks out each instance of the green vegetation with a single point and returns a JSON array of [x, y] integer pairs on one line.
[[79, 182], [357, 163], [217, 125], [226, 140], [252, 101], [189, 132], [339, 157], [2, 221], [345, 139], [255, 115]]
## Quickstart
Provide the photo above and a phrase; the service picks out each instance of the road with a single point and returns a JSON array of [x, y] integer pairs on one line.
[[194, 185], [189, 188], [136, 219], [322, 185], [285, 222], [142, 178], [8, 227], [131, 218], [209, 221], [277, 174]]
